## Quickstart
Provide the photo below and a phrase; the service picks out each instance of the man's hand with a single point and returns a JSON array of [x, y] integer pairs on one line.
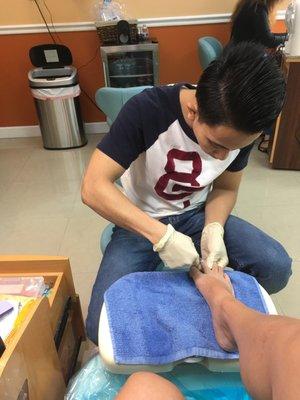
[[213, 249], [176, 249]]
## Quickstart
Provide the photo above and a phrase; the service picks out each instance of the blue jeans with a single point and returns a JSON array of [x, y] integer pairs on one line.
[[249, 250]]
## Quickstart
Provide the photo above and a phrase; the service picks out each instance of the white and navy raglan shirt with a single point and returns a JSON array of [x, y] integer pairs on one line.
[[167, 172]]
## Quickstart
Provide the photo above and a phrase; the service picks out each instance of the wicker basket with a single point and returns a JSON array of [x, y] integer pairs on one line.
[[108, 32]]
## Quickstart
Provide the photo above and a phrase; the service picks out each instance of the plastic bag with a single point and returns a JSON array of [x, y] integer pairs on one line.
[[93, 382], [109, 10], [194, 381], [10, 324], [56, 93], [32, 286]]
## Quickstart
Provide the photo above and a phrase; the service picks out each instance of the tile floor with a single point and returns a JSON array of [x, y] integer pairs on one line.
[[41, 210]]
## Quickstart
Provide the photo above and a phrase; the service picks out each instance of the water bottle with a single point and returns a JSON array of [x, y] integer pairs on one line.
[[106, 11]]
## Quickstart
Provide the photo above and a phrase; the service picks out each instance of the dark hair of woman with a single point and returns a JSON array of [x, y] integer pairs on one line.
[[270, 4]]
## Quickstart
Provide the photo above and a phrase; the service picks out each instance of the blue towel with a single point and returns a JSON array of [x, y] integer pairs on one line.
[[160, 317]]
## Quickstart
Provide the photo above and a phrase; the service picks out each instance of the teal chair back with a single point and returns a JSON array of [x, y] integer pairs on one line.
[[110, 100], [209, 49]]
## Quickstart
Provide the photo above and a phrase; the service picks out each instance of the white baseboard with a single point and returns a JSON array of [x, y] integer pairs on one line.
[[150, 22], [96, 127], [11, 132], [7, 132]]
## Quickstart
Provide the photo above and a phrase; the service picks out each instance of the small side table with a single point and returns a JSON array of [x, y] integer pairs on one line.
[[40, 357]]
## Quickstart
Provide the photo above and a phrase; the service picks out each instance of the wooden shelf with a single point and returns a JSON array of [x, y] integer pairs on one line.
[[33, 362]]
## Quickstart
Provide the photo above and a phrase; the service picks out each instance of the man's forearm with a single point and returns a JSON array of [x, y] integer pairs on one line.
[[219, 205], [109, 202]]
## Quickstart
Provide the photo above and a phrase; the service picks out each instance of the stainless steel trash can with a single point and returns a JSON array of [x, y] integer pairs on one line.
[[55, 88]]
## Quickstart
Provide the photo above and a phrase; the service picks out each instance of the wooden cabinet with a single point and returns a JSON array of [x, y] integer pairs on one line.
[[40, 357], [284, 149]]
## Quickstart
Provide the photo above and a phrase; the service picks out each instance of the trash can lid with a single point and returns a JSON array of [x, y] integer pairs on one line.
[[50, 55], [53, 77]]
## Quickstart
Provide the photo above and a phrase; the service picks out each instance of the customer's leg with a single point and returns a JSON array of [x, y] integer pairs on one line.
[[148, 386], [252, 251], [127, 252], [269, 346]]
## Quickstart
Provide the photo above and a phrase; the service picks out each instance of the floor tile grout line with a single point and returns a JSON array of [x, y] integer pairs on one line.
[[63, 235]]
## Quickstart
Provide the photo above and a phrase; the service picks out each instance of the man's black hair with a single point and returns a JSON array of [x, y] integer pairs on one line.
[[243, 89]]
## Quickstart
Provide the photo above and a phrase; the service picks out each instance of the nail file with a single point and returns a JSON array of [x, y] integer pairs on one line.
[[5, 307]]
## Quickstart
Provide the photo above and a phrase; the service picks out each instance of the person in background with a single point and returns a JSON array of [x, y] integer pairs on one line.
[[251, 22]]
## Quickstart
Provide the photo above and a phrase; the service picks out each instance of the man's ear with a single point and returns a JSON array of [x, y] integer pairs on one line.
[[192, 111]]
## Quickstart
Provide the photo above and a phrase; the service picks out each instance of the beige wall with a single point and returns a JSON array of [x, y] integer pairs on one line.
[[25, 12]]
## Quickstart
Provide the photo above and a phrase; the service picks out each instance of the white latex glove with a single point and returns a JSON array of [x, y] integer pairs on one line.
[[213, 249], [176, 249]]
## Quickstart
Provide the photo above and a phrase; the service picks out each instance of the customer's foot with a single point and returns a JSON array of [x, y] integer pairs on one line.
[[216, 288]]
